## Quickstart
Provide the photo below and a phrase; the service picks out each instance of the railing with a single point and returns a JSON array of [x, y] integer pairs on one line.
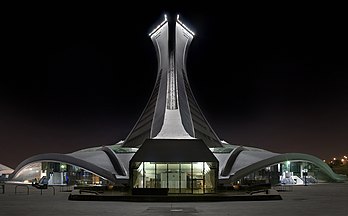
[[54, 189], [2, 187], [22, 185], [66, 188], [28, 190], [283, 187]]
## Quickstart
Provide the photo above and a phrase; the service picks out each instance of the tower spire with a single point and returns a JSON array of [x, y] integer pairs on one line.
[[172, 111]]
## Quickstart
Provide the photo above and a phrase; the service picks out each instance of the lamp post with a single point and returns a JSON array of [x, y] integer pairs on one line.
[[305, 173]]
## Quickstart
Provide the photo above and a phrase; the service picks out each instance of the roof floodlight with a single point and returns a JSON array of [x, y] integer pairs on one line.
[[183, 25], [159, 26]]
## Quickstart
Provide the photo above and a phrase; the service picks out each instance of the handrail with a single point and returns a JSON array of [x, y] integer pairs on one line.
[[2, 186], [54, 189], [21, 185]]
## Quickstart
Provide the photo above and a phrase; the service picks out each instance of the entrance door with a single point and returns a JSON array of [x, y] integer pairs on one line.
[[197, 177], [198, 185]]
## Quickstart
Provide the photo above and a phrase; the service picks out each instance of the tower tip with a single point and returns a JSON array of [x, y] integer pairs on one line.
[[159, 26], [183, 25]]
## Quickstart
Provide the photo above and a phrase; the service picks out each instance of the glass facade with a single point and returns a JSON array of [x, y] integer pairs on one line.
[[59, 174], [287, 172], [179, 178]]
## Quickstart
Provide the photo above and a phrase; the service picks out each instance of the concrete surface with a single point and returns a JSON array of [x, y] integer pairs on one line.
[[320, 199]]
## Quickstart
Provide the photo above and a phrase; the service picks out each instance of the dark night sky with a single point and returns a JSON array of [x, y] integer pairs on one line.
[[77, 77]]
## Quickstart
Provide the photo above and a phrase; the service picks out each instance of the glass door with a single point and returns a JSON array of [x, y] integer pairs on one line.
[[198, 177]]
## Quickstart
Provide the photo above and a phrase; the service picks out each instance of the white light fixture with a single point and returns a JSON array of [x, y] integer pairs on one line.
[[186, 28], [159, 26]]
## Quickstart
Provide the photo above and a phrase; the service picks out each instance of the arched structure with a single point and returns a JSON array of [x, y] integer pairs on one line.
[[54, 157], [283, 158]]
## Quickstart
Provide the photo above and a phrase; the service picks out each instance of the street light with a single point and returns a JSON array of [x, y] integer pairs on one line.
[[305, 173]]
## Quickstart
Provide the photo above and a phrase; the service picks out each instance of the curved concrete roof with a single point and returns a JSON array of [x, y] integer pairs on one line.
[[66, 159], [103, 161], [98, 158], [5, 169], [286, 157], [231, 160], [120, 169], [240, 157], [247, 158]]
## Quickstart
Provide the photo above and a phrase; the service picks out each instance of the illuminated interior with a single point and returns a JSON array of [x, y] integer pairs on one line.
[[184, 178], [287, 172], [59, 174]]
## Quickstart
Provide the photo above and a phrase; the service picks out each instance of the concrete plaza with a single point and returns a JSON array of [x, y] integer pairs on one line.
[[319, 199]]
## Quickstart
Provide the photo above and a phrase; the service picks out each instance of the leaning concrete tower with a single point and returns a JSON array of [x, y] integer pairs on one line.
[[172, 111]]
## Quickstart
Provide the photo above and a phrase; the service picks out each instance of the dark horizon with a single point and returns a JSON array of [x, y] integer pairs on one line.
[[275, 80]]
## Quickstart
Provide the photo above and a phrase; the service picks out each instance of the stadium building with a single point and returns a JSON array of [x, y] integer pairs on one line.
[[172, 144]]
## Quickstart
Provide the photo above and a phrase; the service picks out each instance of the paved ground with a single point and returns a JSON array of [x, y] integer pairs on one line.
[[318, 200]]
